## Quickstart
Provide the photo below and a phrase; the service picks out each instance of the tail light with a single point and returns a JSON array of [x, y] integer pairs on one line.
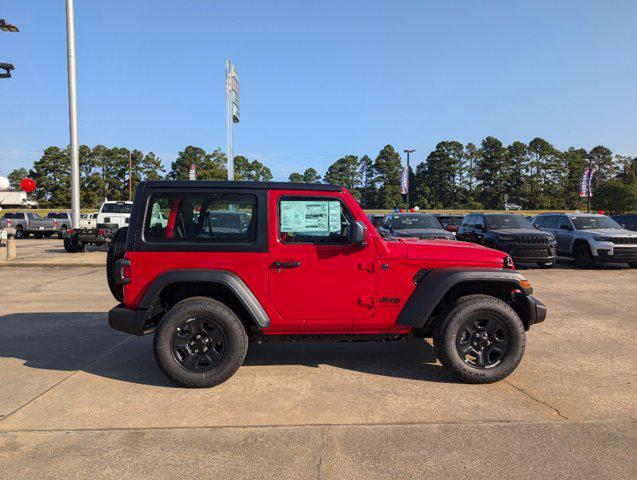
[[70, 232], [8, 222], [55, 223], [101, 231]]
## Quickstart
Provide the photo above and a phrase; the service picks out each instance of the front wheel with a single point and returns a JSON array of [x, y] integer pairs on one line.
[[582, 256], [480, 339], [200, 342]]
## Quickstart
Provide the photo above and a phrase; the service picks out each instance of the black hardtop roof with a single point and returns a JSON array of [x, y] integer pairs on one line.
[[241, 185]]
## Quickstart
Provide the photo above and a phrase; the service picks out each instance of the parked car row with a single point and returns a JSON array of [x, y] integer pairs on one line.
[[588, 238]]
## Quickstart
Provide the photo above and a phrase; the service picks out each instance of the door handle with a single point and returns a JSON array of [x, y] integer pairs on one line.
[[293, 264]]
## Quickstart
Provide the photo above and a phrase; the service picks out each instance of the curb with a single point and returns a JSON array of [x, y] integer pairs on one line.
[[49, 265]]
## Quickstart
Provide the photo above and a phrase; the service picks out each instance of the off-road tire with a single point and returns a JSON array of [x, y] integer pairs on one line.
[[449, 324], [546, 265], [62, 232], [68, 246], [210, 309], [116, 251], [582, 256], [77, 244]]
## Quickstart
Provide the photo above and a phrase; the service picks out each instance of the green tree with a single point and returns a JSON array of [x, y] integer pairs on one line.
[[16, 176], [627, 168], [420, 195], [602, 159], [310, 175], [469, 175], [518, 160], [613, 197], [251, 171], [491, 166], [295, 177], [344, 171], [367, 175], [210, 166], [575, 161], [388, 165], [541, 155], [52, 174], [443, 173]]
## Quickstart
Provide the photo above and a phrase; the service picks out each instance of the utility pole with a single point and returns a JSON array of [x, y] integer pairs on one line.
[[130, 176], [72, 86], [232, 107], [408, 152]]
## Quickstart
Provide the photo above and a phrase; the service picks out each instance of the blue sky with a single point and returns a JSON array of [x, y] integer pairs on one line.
[[320, 79]]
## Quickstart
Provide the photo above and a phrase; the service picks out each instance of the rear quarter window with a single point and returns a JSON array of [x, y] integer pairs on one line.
[[201, 218]]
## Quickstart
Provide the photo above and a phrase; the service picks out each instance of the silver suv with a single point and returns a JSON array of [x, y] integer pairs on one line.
[[590, 238]]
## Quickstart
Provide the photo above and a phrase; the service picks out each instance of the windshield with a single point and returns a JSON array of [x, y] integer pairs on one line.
[[13, 215], [495, 222], [450, 220], [593, 223], [405, 222], [117, 207]]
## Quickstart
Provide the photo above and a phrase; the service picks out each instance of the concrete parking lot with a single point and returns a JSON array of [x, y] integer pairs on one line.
[[79, 400]]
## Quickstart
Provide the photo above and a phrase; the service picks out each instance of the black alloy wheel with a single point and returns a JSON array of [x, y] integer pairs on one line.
[[482, 341], [583, 257], [199, 344]]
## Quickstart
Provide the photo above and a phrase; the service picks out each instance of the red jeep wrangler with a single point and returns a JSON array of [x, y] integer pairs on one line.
[[210, 266]]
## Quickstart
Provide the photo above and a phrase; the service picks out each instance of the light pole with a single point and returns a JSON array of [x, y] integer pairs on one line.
[[72, 86], [408, 152], [7, 67]]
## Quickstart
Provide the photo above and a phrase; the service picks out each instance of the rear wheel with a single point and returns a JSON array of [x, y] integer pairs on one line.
[[62, 232], [480, 339], [38, 235], [68, 246], [77, 244], [582, 256], [19, 233], [546, 265], [116, 251], [200, 342]]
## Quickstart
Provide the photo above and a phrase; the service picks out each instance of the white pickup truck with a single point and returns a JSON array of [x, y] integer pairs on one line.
[[112, 216]]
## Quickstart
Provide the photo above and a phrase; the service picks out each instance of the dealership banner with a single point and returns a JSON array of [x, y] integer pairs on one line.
[[404, 180], [585, 183]]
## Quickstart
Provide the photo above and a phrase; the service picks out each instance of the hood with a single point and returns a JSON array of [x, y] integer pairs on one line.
[[521, 232], [453, 251], [611, 232], [421, 232]]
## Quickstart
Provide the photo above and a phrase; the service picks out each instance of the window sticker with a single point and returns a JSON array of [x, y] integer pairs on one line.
[[310, 216]]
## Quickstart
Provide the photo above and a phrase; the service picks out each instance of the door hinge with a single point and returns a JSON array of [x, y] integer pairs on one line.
[[366, 301]]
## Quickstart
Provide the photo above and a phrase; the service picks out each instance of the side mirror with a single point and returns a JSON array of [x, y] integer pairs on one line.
[[359, 233], [566, 227], [536, 226]]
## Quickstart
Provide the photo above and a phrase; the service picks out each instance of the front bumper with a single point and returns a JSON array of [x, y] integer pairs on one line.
[[615, 254], [133, 322], [530, 310], [530, 253]]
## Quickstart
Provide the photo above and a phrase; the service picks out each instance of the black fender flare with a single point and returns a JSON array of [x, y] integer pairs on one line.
[[220, 277], [433, 285]]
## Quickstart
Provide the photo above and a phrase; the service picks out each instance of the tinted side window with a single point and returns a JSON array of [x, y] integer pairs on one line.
[[202, 218], [630, 223], [313, 220], [551, 222], [562, 220], [539, 221], [479, 222], [467, 221]]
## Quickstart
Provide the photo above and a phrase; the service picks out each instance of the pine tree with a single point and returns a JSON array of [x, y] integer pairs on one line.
[[490, 172], [344, 171], [389, 167]]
